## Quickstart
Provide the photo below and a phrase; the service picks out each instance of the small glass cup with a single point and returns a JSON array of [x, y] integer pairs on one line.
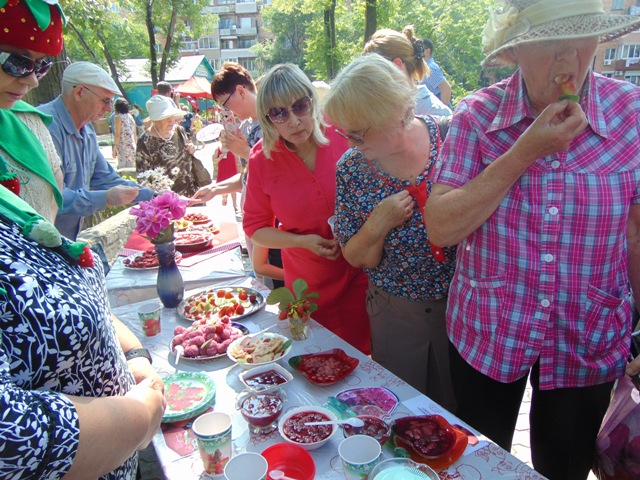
[[261, 410], [299, 327]]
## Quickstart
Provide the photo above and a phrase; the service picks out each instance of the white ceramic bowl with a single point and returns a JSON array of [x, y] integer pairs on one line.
[[309, 408], [256, 338], [263, 369]]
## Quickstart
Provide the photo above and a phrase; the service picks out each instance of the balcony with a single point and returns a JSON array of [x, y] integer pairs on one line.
[[249, 7], [237, 53], [234, 32], [218, 9]]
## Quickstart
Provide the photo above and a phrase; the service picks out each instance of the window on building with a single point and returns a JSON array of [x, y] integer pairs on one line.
[[631, 50], [249, 64], [246, 42], [226, 23], [609, 56], [617, 5], [188, 44], [226, 44], [246, 22], [608, 74], [208, 42], [633, 78]]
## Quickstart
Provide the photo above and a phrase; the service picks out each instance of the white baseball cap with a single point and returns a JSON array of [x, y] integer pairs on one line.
[[87, 73], [161, 107]]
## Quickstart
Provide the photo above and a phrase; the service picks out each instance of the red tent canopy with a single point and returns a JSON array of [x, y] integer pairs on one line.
[[196, 87]]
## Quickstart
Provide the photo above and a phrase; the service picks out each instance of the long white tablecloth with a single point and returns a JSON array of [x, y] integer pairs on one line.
[[176, 448]]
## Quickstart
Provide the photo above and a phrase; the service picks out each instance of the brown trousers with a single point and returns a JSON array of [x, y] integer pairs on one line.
[[409, 339]]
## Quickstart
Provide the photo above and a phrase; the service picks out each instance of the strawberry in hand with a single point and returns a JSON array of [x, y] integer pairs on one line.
[[567, 88]]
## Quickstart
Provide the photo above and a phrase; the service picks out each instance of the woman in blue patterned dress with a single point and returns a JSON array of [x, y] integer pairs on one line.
[[382, 185], [72, 405]]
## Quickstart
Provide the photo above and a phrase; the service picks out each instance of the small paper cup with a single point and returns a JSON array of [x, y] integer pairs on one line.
[[149, 316], [332, 223], [213, 433], [246, 466], [359, 454]]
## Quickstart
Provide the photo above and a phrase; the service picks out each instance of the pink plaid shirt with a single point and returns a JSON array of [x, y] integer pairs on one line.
[[546, 275]]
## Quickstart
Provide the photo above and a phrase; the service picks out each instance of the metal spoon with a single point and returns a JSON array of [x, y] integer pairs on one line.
[[178, 350], [353, 421], [279, 475]]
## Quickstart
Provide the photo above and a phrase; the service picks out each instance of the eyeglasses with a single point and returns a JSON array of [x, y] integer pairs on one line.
[[20, 66], [106, 101], [357, 139], [224, 104], [300, 108]]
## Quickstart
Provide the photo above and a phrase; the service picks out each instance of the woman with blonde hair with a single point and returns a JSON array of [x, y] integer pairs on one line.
[[406, 52], [382, 186], [293, 178]]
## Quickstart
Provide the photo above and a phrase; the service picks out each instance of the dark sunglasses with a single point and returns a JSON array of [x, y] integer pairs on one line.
[[20, 66], [300, 108], [357, 139]]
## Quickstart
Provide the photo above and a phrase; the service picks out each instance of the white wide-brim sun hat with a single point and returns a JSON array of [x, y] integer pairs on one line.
[[528, 21], [161, 107]]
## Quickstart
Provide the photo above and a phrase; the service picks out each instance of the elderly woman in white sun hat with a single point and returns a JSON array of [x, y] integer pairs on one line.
[[539, 184], [165, 144]]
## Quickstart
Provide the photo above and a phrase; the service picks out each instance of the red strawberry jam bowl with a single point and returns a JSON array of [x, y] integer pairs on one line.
[[430, 439], [293, 429], [260, 410]]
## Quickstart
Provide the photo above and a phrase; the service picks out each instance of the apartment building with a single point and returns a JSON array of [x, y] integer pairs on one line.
[[239, 28], [620, 58]]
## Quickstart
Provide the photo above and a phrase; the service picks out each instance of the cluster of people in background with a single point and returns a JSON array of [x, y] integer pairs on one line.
[[468, 254]]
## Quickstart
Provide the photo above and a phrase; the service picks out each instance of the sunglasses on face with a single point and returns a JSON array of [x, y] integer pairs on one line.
[[300, 108], [356, 139], [20, 66]]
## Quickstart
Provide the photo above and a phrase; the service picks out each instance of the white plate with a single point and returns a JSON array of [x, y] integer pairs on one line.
[[133, 257], [257, 338]]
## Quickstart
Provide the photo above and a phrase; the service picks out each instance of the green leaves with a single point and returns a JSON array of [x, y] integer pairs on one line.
[[281, 296], [288, 300]]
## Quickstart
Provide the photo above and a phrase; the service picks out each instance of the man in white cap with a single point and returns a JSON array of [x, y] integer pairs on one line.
[[90, 182]]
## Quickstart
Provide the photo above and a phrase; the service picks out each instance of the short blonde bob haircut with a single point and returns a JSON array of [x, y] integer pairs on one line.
[[281, 86], [370, 92], [405, 46]]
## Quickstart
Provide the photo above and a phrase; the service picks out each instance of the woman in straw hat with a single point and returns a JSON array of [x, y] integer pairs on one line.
[[165, 145], [539, 184]]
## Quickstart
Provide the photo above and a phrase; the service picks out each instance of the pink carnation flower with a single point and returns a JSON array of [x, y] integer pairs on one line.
[[172, 202]]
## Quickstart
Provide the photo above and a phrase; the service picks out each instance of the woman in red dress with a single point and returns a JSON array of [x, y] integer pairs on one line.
[[293, 178], [227, 168]]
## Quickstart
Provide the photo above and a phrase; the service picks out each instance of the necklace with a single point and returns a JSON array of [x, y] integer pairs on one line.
[[163, 138]]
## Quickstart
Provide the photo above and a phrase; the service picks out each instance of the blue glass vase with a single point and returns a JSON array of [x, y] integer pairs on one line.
[[170, 284]]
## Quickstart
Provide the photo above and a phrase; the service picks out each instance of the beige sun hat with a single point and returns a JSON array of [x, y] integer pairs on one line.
[[528, 21], [161, 107]]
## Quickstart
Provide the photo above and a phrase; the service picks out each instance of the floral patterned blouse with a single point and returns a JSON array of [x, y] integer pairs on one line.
[[56, 338], [407, 268], [157, 152]]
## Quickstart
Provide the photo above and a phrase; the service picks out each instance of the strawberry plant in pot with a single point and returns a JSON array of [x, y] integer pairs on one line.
[[296, 306]]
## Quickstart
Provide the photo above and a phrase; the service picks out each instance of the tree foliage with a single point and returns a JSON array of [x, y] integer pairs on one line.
[[455, 27], [106, 33]]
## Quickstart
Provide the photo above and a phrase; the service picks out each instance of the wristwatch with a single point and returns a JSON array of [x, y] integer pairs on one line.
[[138, 352]]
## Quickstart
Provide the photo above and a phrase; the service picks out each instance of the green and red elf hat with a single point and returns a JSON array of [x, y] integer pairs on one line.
[[33, 25]]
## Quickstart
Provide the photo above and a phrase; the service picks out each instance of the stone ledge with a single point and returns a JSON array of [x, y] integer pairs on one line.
[[112, 234]]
